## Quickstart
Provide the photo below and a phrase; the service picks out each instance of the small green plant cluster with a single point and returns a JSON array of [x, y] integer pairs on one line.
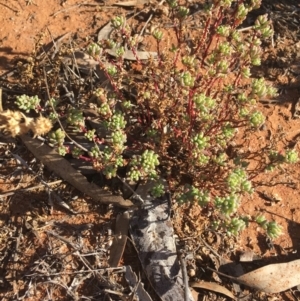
[[278, 158], [185, 109], [57, 138], [273, 230], [27, 103]]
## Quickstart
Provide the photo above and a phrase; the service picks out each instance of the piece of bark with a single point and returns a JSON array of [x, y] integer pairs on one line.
[[153, 235], [120, 239], [63, 168], [136, 286]]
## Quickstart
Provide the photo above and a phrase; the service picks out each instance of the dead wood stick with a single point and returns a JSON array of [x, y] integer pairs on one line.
[[1, 107], [12, 192], [14, 10], [78, 6], [184, 277], [63, 168], [120, 269]]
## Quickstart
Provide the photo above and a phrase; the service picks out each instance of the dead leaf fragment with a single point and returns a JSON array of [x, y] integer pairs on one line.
[[129, 3], [273, 278]]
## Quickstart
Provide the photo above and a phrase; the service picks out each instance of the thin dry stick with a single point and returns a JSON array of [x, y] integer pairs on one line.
[[233, 279], [76, 6], [53, 41], [73, 55], [61, 285], [209, 247], [14, 10], [133, 192], [73, 245], [76, 247], [113, 292], [12, 192], [55, 44], [103, 270], [245, 28], [150, 17], [184, 277], [77, 253], [1, 107], [71, 71]]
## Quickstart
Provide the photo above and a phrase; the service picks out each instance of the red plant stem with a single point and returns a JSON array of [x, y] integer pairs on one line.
[[180, 33], [127, 35], [115, 88], [155, 83], [191, 114], [237, 79], [215, 25], [236, 22], [206, 51], [177, 34], [210, 85], [204, 36], [84, 158], [158, 51]]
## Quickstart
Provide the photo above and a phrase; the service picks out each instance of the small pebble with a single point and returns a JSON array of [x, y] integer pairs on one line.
[[192, 272]]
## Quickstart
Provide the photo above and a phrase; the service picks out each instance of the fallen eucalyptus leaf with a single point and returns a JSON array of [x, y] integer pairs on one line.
[[211, 286], [273, 278], [131, 3]]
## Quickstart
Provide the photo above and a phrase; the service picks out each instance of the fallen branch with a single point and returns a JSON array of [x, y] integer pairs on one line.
[[63, 168]]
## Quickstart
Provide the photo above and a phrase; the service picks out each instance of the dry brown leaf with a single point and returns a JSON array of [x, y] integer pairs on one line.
[[211, 286], [273, 278], [131, 3]]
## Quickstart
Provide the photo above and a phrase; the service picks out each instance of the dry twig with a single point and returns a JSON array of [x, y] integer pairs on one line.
[[184, 277], [12, 192], [77, 6]]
